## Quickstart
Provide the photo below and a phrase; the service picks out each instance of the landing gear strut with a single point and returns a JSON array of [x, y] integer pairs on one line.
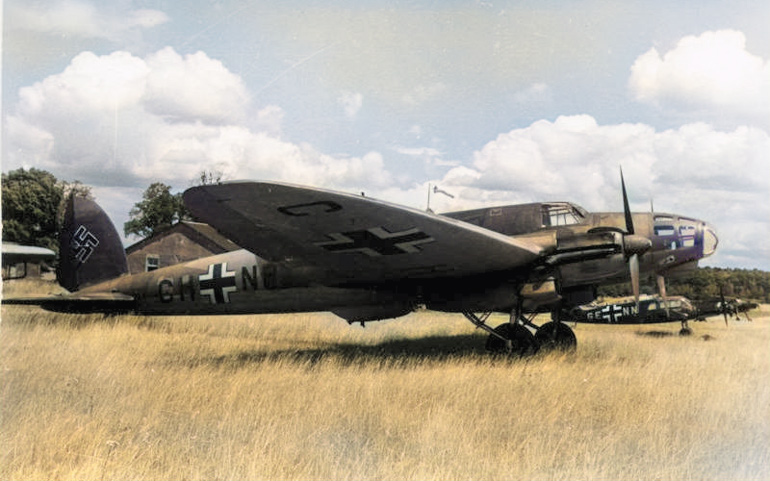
[[514, 338], [519, 341], [685, 330]]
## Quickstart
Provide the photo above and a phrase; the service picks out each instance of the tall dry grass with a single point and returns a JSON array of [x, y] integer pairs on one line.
[[308, 397]]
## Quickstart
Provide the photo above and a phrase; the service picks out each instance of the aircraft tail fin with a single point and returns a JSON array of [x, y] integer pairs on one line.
[[90, 250]]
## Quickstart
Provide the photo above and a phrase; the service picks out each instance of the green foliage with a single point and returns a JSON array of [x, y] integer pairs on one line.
[[31, 200], [158, 210], [208, 177], [706, 282]]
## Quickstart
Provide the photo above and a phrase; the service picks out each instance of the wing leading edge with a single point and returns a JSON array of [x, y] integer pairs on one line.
[[355, 238]]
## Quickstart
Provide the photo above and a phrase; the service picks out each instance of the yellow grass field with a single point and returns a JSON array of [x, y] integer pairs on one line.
[[308, 397]]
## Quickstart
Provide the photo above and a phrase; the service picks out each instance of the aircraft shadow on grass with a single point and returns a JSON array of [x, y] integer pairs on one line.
[[398, 352]]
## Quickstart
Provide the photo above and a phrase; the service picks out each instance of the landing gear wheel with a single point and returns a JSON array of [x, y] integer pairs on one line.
[[685, 331], [523, 343], [556, 335]]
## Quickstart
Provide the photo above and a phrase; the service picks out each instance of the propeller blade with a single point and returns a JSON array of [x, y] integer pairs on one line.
[[633, 265], [662, 291], [723, 304], [626, 208]]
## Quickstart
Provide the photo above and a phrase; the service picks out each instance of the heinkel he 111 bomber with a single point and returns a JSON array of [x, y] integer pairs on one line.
[[307, 249]]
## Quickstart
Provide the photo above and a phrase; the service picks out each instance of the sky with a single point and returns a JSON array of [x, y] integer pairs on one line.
[[494, 102]]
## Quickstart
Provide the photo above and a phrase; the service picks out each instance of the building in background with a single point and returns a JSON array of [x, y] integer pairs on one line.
[[26, 261], [184, 241]]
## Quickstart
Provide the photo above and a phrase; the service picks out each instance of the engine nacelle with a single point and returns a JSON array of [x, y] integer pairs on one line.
[[537, 294]]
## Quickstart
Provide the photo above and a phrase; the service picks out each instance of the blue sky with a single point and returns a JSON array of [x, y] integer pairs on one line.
[[496, 102]]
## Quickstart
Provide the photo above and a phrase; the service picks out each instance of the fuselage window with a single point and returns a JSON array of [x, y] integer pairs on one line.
[[665, 230]]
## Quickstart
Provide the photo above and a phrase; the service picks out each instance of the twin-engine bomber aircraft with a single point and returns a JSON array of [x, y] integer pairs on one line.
[[308, 249]]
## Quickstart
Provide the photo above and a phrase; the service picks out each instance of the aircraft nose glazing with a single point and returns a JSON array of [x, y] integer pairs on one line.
[[710, 240]]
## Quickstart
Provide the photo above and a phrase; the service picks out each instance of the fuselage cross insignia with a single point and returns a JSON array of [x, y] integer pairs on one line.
[[377, 241], [217, 283]]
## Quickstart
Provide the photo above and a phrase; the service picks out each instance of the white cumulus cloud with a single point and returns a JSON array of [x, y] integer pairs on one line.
[[695, 170], [194, 86], [121, 120], [711, 75]]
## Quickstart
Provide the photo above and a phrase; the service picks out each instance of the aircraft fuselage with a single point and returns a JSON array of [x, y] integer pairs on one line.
[[240, 282], [235, 283]]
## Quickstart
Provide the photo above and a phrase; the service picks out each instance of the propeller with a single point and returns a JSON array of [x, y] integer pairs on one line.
[[662, 291], [723, 304], [633, 245], [626, 208], [660, 279]]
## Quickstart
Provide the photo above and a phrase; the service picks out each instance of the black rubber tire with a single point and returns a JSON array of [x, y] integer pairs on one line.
[[685, 331], [522, 340], [556, 335]]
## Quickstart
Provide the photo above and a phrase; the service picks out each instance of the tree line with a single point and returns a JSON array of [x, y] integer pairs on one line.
[[159, 209], [707, 282], [32, 202]]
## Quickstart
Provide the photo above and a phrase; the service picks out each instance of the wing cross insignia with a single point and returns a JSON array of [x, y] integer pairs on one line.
[[377, 241]]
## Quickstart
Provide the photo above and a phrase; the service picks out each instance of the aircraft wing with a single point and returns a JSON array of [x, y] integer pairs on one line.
[[353, 238]]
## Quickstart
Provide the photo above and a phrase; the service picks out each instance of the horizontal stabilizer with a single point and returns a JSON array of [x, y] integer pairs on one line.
[[100, 302]]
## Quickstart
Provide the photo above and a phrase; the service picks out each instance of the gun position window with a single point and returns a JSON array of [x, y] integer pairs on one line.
[[561, 214]]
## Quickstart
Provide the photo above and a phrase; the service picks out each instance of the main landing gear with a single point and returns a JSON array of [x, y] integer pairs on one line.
[[515, 338], [685, 330]]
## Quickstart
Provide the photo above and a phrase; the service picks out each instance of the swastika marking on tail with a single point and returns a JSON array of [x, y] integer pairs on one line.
[[83, 244]]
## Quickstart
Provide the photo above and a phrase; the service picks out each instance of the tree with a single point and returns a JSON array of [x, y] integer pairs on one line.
[[208, 177], [31, 201], [158, 210]]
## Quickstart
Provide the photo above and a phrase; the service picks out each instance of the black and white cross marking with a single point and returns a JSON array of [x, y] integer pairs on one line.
[[217, 283], [377, 241]]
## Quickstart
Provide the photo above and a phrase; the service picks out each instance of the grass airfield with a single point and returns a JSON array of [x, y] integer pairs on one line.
[[308, 397]]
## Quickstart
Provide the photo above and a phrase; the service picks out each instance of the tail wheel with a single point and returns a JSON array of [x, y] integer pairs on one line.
[[556, 335], [522, 342]]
